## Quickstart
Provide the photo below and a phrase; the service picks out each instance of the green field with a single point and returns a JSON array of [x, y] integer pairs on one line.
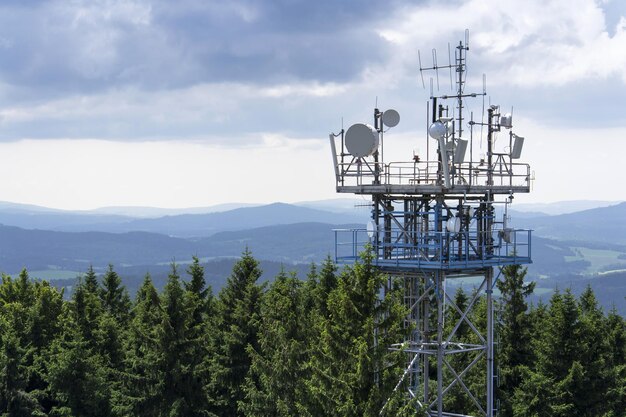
[[600, 259], [52, 274]]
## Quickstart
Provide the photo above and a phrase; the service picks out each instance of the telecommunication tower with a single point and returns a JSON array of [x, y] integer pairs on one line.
[[435, 220]]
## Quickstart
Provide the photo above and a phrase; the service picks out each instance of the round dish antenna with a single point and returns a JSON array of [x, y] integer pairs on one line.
[[437, 130], [391, 118], [361, 140], [371, 229], [453, 224]]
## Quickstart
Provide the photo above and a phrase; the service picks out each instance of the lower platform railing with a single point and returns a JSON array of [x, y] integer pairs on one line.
[[436, 250]]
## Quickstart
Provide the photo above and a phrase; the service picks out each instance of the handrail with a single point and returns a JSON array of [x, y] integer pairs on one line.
[[503, 173], [437, 249]]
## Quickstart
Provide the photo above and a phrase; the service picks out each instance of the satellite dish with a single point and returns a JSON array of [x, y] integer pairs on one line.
[[437, 130], [361, 140], [453, 224], [371, 229], [391, 118]]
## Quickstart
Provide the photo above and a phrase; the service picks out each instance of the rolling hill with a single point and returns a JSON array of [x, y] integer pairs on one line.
[[75, 251], [602, 224], [568, 249], [181, 225]]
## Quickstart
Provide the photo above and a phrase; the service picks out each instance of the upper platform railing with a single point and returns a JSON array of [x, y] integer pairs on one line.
[[469, 175]]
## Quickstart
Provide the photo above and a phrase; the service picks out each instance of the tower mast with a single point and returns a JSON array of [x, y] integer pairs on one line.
[[426, 230]]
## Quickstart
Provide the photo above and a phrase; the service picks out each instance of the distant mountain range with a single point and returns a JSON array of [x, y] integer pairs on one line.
[[587, 246], [562, 207], [43, 249], [602, 224], [153, 212], [180, 225]]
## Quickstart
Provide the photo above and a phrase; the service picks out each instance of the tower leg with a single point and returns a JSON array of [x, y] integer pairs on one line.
[[489, 292], [440, 347], [426, 338]]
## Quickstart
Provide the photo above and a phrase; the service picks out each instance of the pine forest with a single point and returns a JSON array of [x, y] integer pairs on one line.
[[298, 346]]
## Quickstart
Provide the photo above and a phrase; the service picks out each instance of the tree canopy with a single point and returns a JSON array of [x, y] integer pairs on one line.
[[312, 347]]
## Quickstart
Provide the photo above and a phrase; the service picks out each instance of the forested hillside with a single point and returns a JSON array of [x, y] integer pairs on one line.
[[294, 347], [293, 235]]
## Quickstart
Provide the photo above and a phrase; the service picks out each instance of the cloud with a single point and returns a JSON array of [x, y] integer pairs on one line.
[[84, 46], [161, 70], [560, 62], [213, 111], [528, 43], [148, 83], [67, 46]]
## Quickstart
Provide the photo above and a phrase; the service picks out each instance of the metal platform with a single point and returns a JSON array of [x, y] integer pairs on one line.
[[418, 178], [436, 251]]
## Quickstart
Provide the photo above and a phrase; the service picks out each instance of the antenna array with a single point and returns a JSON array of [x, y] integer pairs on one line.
[[434, 220], [460, 70]]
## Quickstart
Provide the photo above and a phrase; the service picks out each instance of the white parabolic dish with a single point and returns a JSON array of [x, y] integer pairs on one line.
[[437, 130], [453, 225], [391, 118], [371, 229], [361, 140]]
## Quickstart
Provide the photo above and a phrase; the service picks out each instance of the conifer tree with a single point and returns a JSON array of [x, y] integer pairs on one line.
[[86, 311], [111, 355], [514, 333], [593, 356], [14, 398], [91, 281], [199, 303], [46, 313], [560, 338], [326, 283], [46, 326], [114, 296], [76, 376], [308, 288], [314, 308], [140, 394], [274, 380], [197, 284], [18, 290], [182, 393], [29, 321], [174, 346], [238, 309], [551, 387], [616, 363], [352, 372]]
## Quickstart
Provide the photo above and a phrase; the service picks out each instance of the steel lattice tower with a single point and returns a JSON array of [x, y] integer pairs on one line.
[[434, 221]]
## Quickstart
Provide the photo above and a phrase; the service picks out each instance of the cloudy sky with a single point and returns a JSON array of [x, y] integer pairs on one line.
[[201, 102]]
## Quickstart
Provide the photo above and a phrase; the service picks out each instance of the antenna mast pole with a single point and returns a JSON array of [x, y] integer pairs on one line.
[[460, 69]]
